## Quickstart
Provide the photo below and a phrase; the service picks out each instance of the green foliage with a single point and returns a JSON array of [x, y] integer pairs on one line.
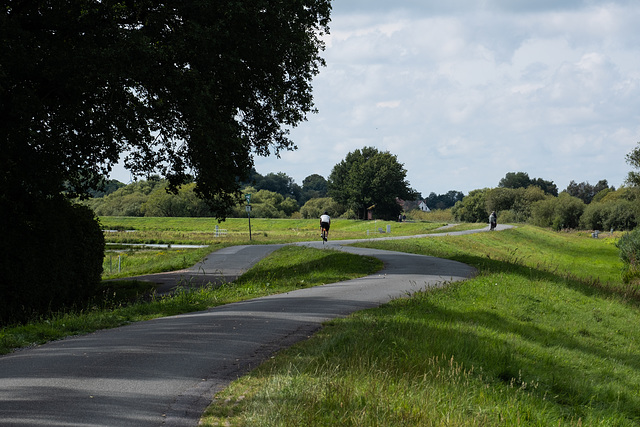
[[316, 207], [629, 247], [585, 191], [473, 207], [633, 159], [367, 178], [517, 202], [187, 88], [280, 183], [521, 180], [562, 212], [183, 203], [266, 204], [52, 257], [618, 214], [444, 201]]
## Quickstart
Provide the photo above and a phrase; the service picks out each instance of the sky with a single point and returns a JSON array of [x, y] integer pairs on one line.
[[463, 92]]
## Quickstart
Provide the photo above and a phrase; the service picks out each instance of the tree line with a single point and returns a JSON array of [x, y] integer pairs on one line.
[[579, 206], [368, 180]]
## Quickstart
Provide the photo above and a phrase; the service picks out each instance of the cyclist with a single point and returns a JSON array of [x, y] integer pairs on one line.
[[493, 220], [325, 223]]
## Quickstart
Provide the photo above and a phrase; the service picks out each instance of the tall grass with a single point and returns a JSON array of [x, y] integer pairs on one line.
[[544, 335]]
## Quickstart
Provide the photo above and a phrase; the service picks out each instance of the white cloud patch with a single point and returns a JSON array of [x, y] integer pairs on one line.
[[463, 95]]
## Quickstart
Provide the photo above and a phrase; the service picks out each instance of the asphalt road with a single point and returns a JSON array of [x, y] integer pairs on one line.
[[166, 371]]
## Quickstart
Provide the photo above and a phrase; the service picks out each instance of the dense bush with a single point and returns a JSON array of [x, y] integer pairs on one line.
[[316, 207], [629, 246], [558, 213], [472, 208], [51, 257], [618, 214]]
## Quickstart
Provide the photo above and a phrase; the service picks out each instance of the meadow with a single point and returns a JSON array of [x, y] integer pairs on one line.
[[546, 334], [263, 231]]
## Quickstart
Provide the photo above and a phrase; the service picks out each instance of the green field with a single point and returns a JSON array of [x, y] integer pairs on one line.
[[545, 335], [202, 230]]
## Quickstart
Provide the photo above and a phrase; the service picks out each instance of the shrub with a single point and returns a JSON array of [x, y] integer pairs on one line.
[[472, 208], [622, 216], [315, 207], [617, 214], [51, 257], [629, 247], [558, 213]]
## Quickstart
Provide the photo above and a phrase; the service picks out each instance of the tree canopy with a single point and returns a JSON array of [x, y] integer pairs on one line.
[[179, 88], [370, 177], [521, 180], [633, 158]]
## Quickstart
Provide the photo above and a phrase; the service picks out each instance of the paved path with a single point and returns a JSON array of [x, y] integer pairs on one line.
[[165, 371]]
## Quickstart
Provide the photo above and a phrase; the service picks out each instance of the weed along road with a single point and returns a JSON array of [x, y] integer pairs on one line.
[[165, 371]]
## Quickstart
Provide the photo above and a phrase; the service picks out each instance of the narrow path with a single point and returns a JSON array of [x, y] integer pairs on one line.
[[166, 371]]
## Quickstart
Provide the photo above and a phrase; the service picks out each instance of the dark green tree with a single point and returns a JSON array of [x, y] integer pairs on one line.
[[188, 89], [280, 183], [585, 191], [313, 187], [370, 177], [473, 208], [444, 201], [633, 158], [522, 180], [515, 180], [184, 87]]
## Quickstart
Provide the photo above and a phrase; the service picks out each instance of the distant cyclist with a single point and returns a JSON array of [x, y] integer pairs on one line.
[[325, 223], [493, 220]]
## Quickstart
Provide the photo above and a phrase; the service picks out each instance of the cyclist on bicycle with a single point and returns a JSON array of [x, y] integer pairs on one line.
[[325, 223]]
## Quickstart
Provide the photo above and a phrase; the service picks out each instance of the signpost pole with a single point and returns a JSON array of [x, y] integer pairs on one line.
[[248, 197]]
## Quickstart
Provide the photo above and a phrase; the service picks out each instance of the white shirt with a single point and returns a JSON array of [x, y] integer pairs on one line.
[[325, 218]]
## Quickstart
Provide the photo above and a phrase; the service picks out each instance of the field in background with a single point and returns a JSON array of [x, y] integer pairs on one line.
[[263, 231]]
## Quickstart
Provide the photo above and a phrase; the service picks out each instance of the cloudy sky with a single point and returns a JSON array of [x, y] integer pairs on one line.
[[464, 91]]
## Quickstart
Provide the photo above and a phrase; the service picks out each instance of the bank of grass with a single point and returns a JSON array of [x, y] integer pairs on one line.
[[263, 231], [286, 269], [545, 335], [133, 262]]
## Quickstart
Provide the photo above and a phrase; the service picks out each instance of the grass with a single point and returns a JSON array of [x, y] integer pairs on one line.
[[133, 262], [263, 231], [546, 334], [284, 270]]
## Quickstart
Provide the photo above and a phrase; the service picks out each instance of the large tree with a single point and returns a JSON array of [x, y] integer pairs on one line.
[[521, 180], [370, 177], [585, 191], [189, 89], [180, 88]]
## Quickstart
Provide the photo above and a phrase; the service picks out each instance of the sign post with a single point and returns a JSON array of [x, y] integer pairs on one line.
[[248, 197]]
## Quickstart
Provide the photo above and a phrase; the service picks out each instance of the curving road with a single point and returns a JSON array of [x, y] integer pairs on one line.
[[166, 371]]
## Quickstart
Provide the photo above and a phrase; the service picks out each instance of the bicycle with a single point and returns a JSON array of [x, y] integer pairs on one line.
[[323, 234]]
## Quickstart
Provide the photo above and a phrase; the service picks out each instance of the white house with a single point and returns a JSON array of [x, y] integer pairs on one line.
[[423, 207]]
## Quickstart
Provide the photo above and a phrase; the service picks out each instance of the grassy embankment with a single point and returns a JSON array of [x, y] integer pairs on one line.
[[285, 270], [546, 334]]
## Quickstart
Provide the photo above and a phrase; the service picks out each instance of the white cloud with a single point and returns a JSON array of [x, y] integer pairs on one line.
[[464, 94]]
